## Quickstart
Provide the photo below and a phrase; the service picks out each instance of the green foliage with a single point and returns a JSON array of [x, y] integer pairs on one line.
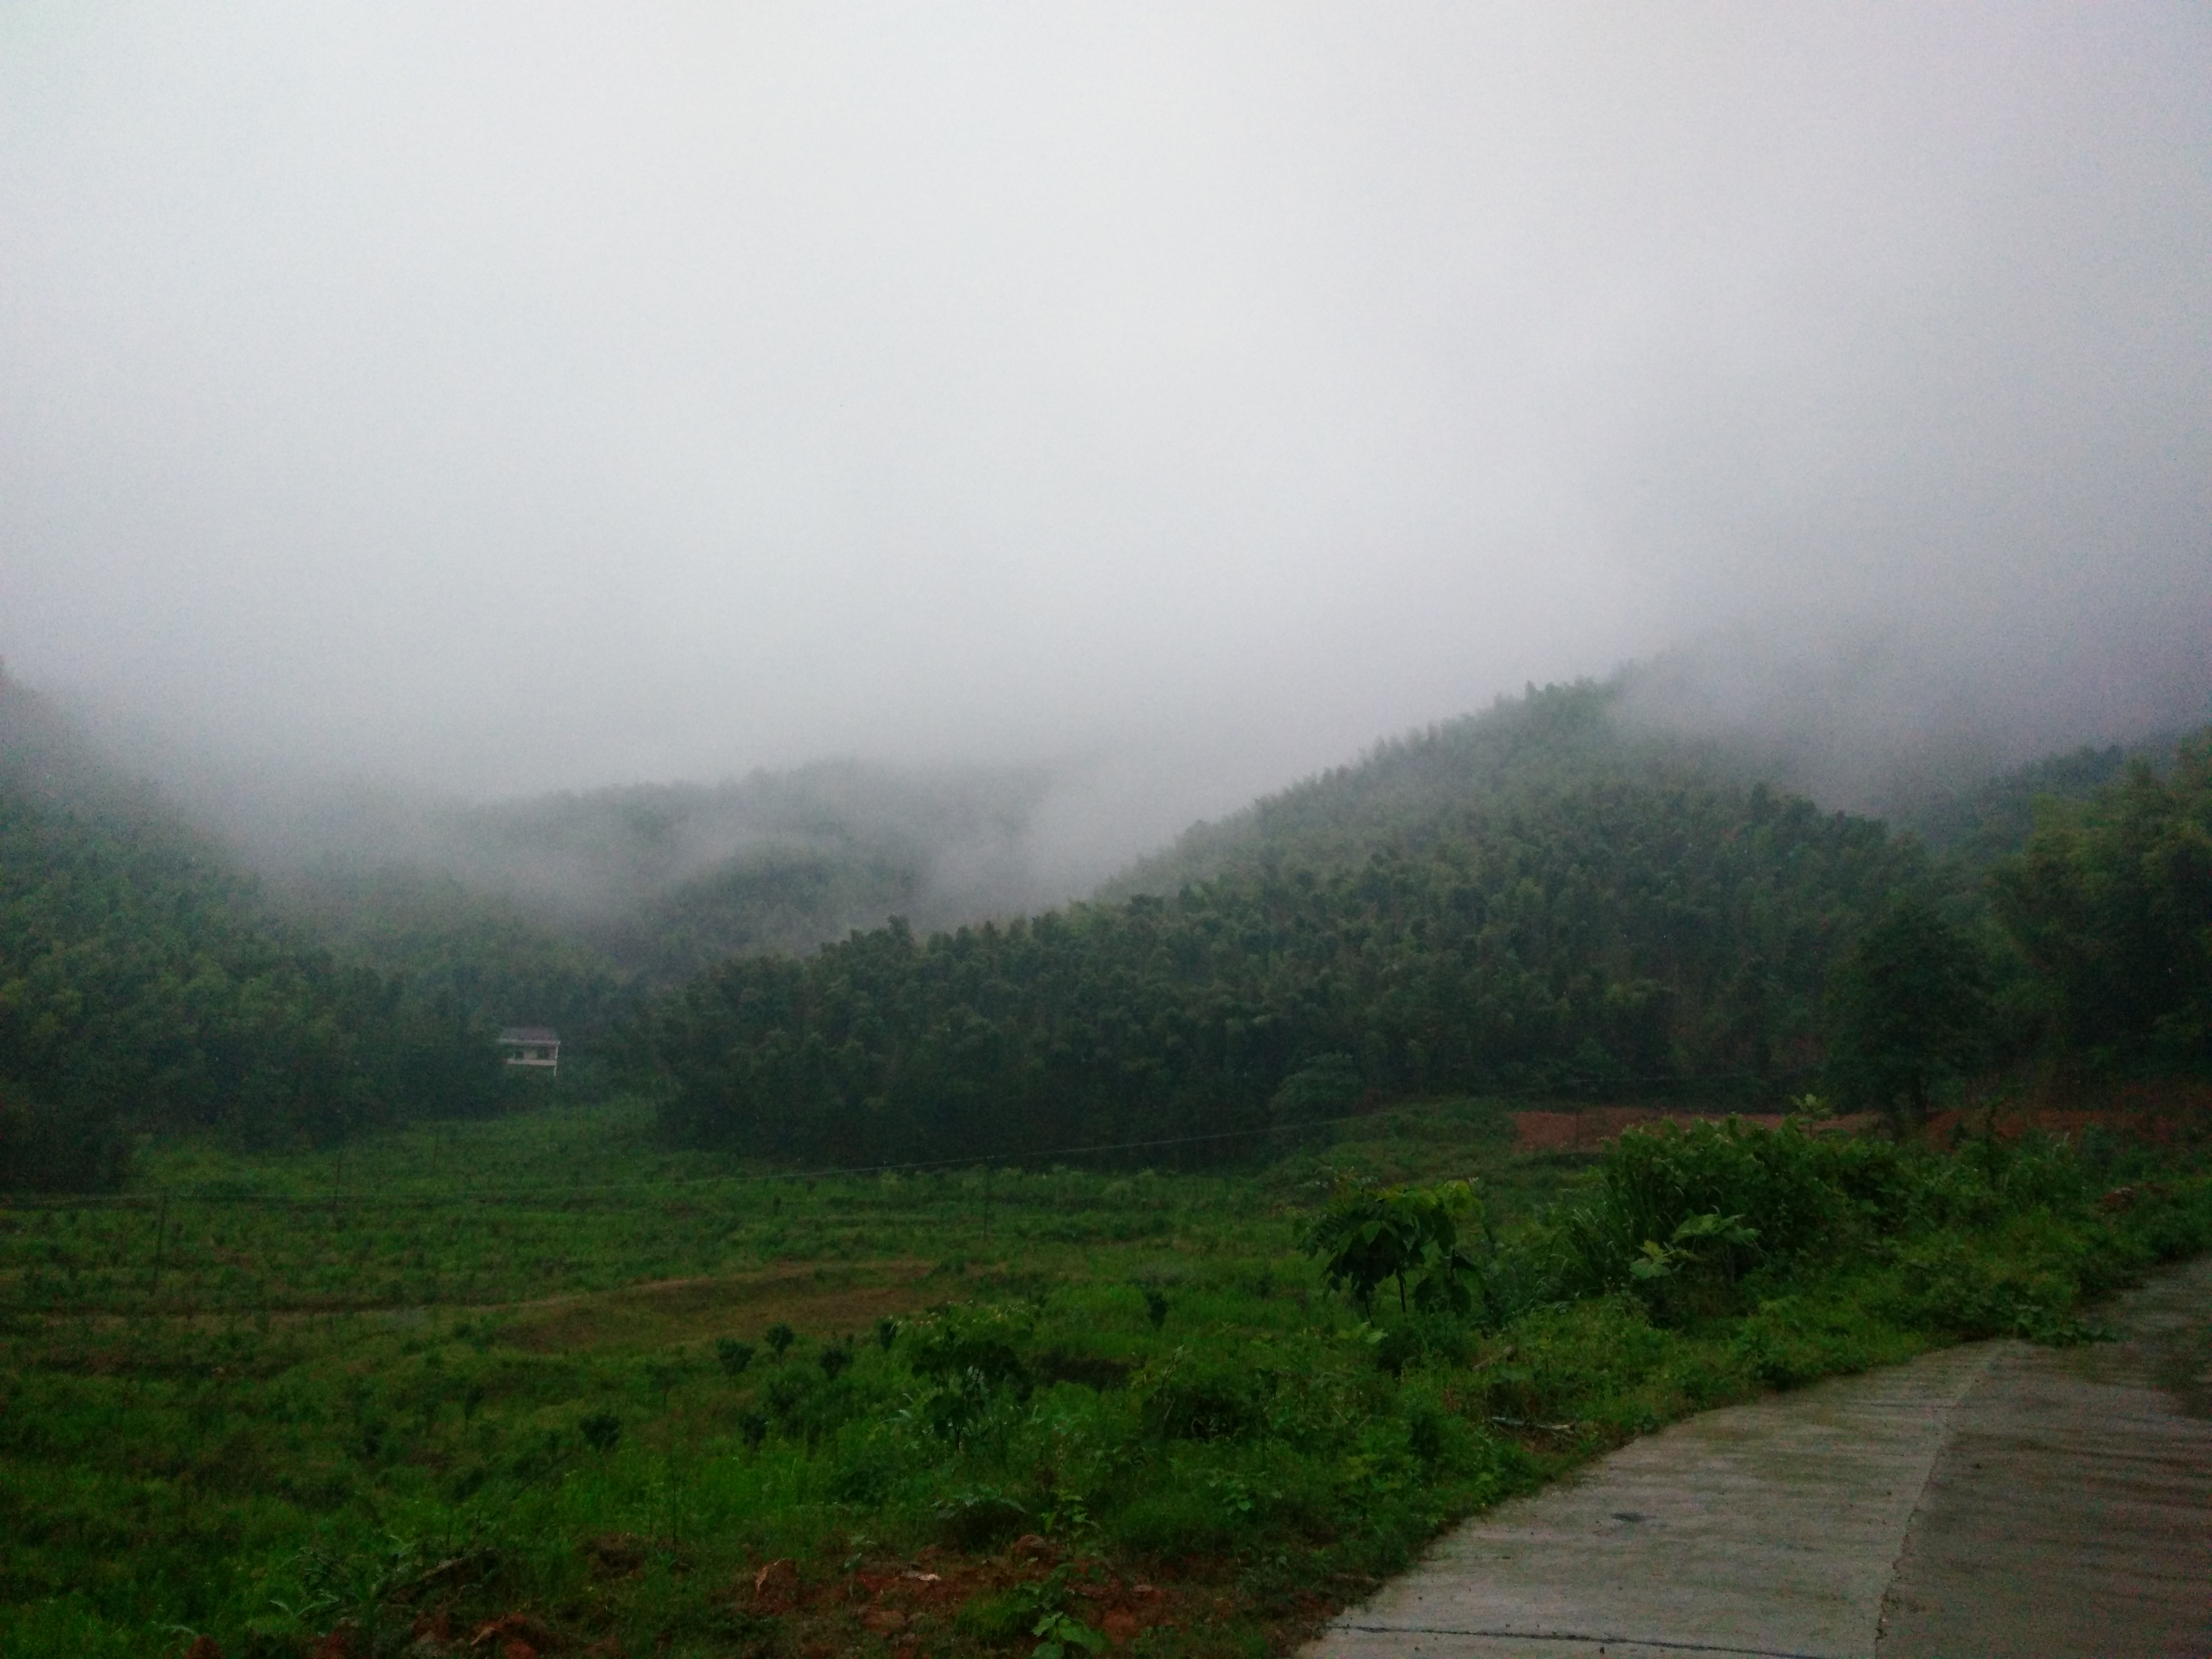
[[1992, 819], [1182, 1397], [1063, 1632], [1727, 1233], [440, 938], [145, 985], [1610, 915], [979, 1518], [49, 1148], [984, 1343], [1007, 1615], [1708, 1202], [1911, 1009], [1367, 1235], [2111, 903], [732, 1356]]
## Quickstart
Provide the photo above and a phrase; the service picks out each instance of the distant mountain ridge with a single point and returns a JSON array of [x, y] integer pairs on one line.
[[658, 881], [1405, 793]]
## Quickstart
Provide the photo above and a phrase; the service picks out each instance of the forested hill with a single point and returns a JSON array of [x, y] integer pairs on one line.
[[659, 881], [1537, 898], [1408, 792], [1604, 914], [1992, 819], [441, 938], [143, 984]]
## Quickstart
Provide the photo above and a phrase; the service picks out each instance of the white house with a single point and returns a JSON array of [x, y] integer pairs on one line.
[[535, 1045]]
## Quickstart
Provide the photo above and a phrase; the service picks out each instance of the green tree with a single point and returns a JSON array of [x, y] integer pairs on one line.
[[2111, 905], [1910, 1009], [1368, 1235]]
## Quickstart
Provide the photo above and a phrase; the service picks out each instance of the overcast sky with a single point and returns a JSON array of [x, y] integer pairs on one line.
[[500, 397]]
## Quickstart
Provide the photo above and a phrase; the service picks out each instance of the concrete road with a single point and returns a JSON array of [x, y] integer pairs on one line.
[[1994, 1499]]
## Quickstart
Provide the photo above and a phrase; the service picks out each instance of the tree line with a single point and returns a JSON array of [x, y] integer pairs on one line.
[[1605, 934], [145, 985], [1652, 927]]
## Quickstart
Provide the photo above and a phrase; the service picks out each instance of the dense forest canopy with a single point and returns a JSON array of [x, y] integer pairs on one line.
[[1407, 792], [2111, 905], [145, 984], [1532, 899], [1993, 819], [1527, 900]]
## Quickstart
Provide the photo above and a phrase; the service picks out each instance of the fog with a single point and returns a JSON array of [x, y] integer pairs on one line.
[[479, 401]]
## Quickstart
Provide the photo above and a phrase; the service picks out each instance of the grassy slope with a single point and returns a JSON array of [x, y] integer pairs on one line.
[[243, 1448]]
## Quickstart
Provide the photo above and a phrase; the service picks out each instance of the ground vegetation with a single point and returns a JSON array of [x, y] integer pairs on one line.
[[686, 1410]]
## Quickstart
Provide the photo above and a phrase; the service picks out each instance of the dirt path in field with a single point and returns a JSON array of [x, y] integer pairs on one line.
[[1996, 1498], [817, 1301]]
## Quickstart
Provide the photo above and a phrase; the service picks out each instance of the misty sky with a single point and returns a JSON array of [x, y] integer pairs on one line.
[[499, 397]]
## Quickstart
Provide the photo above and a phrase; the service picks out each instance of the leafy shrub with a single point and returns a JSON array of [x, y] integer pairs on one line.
[[601, 1430], [1368, 1235], [959, 1407], [1723, 1197], [733, 1355], [987, 1341], [1433, 1337], [1573, 1358], [1428, 1431], [45, 1148], [1946, 1286], [1180, 1398], [1326, 1087], [785, 1396], [1062, 1633], [864, 1479]]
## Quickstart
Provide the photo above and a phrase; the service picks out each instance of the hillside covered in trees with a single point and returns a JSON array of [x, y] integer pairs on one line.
[[1532, 899], [146, 984], [654, 881], [1526, 899], [1542, 899]]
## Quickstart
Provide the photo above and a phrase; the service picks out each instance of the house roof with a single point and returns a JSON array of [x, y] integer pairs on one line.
[[529, 1034]]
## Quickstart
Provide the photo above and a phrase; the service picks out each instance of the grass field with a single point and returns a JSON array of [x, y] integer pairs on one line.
[[541, 1383]]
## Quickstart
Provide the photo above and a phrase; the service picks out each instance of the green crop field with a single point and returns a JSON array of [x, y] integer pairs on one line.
[[540, 1381]]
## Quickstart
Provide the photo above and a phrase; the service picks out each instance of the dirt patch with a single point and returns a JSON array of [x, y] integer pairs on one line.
[[907, 1607], [2168, 1117], [814, 1302]]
